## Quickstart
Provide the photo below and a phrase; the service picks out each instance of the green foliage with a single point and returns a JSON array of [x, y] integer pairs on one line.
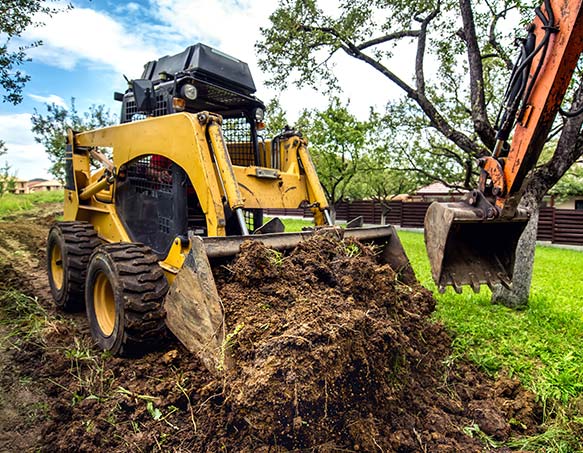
[[15, 17], [50, 130], [378, 178], [421, 152], [338, 141], [541, 345], [430, 130], [570, 185], [7, 180], [275, 119], [23, 315], [11, 203]]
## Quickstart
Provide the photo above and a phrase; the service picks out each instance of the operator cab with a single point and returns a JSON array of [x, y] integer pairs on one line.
[[201, 78], [198, 79]]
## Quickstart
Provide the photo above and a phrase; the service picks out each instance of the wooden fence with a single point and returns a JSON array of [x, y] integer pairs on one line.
[[559, 226]]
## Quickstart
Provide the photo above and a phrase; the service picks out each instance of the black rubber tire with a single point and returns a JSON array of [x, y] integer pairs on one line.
[[139, 287], [76, 242]]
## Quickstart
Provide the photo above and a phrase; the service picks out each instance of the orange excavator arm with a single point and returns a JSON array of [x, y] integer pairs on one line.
[[473, 242]]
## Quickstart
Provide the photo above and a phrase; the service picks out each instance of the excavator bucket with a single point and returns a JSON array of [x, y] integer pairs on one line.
[[465, 249], [194, 311]]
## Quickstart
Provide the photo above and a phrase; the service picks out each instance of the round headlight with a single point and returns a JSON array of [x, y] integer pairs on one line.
[[259, 114], [189, 91]]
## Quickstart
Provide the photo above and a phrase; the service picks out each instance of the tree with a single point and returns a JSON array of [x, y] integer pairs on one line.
[[50, 130], [570, 185], [275, 118], [15, 17], [338, 141], [7, 180], [453, 108]]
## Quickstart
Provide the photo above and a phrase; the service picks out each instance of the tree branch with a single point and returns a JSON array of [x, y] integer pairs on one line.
[[568, 151], [421, 42], [480, 119], [389, 37], [436, 119], [500, 52]]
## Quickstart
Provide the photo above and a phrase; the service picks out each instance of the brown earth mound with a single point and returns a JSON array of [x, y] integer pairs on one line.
[[331, 353]]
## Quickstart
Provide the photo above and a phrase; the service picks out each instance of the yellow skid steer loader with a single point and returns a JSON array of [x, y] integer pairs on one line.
[[188, 178]]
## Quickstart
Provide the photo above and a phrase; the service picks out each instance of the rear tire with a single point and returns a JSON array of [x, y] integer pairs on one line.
[[124, 297], [69, 247]]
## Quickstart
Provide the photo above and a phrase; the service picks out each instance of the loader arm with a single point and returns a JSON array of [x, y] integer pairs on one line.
[[473, 242]]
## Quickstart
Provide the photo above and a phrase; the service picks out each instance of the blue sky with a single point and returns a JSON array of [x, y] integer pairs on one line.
[[86, 50]]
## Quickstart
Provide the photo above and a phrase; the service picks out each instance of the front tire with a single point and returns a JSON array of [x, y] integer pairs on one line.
[[69, 247], [124, 297]]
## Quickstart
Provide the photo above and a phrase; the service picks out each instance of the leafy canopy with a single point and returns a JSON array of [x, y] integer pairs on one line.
[[50, 129], [15, 17]]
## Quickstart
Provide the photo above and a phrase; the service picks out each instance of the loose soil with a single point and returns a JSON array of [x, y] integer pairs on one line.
[[330, 352]]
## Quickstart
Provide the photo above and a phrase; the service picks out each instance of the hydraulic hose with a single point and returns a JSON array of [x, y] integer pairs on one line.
[[519, 89]]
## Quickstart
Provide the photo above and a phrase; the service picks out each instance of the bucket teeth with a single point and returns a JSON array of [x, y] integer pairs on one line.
[[457, 287], [474, 282], [489, 280]]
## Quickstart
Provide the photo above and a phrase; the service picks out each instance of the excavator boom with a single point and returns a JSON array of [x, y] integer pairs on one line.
[[473, 242]]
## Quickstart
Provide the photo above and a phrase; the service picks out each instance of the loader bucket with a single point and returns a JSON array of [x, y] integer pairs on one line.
[[194, 311], [465, 249], [391, 250]]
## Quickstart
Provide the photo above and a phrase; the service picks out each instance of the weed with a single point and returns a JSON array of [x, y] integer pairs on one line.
[[352, 250], [276, 257], [88, 369], [25, 318], [475, 431], [228, 344], [154, 412]]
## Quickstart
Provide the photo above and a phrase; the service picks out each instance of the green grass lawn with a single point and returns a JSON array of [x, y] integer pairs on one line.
[[10, 203], [542, 345]]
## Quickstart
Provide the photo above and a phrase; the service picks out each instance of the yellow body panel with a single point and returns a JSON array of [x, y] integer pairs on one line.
[[194, 142]]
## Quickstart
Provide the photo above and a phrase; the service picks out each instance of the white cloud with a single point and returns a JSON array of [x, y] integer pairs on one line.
[[91, 39], [27, 158], [86, 35], [50, 99]]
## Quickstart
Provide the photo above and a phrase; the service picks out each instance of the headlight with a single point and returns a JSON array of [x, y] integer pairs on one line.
[[259, 114], [189, 91]]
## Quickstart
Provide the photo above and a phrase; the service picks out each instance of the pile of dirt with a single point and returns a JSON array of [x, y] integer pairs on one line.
[[331, 352]]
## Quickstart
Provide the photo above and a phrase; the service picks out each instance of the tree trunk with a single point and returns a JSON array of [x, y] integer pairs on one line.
[[517, 296], [569, 149]]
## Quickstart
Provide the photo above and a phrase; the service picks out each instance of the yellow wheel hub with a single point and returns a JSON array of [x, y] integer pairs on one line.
[[57, 271], [104, 303]]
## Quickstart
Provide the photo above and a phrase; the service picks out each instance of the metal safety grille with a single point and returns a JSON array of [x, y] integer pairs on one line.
[[237, 133], [150, 174], [132, 114], [253, 218]]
